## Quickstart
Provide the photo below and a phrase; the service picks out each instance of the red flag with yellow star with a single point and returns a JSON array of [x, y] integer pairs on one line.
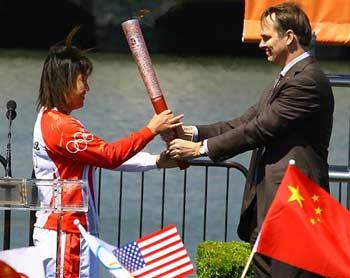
[[307, 228], [7, 271]]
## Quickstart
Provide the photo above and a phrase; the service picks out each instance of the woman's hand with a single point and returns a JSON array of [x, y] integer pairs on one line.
[[165, 161], [164, 121]]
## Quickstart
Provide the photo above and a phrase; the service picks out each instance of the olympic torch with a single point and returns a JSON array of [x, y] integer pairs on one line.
[[133, 33]]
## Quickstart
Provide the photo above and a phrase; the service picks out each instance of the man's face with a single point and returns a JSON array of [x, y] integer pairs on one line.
[[274, 45]]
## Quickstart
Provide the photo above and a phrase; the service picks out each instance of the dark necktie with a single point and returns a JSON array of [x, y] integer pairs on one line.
[[277, 81], [275, 85]]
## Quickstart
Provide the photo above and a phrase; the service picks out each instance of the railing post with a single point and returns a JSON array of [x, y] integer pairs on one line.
[[184, 206], [120, 207], [99, 191], [227, 200], [141, 202], [205, 203], [163, 200]]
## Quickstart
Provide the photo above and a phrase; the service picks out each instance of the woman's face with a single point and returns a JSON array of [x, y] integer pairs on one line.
[[75, 99]]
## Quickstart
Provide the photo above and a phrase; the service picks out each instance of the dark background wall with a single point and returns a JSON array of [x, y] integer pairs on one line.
[[191, 27], [37, 24]]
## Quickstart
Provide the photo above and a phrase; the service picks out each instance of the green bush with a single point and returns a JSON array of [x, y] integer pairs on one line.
[[222, 259]]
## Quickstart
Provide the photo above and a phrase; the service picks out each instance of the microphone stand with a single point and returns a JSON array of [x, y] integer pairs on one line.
[[11, 114], [3, 162], [8, 171]]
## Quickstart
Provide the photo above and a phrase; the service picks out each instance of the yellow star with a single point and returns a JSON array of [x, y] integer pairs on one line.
[[296, 196], [312, 221], [315, 198], [318, 210]]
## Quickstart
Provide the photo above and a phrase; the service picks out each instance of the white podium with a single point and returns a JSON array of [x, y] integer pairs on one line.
[[49, 195]]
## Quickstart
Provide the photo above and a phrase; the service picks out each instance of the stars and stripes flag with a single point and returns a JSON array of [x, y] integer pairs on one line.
[[159, 254]]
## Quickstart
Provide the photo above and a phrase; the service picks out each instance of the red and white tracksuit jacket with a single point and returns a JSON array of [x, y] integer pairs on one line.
[[64, 149]]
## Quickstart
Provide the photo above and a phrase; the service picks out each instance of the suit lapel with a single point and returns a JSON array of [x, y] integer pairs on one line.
[[298, 67]]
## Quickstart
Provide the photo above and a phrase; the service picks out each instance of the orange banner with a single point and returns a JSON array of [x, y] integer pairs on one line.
[[330, 19]]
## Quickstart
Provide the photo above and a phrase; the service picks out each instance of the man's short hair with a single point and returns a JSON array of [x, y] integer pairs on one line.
[[290, 16]]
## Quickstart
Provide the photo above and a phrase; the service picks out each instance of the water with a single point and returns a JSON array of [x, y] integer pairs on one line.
[[204, 89]]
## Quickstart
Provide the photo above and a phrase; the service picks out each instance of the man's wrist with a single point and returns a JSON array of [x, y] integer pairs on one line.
[[157, 161], [194, 135], [202, 150]]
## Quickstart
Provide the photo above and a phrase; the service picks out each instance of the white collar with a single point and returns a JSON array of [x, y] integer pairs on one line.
[[287, 67]]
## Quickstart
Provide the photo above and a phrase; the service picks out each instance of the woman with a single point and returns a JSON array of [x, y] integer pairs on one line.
[[64, 149]]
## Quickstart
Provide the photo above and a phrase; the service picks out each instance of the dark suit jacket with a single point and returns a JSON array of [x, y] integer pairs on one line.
[[291, 121]]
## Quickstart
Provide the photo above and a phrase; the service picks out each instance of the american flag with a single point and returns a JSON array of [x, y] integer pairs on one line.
[[159, 254]]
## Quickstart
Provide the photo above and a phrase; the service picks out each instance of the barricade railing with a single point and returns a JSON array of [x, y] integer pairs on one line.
[[338, 175], [206, 164]]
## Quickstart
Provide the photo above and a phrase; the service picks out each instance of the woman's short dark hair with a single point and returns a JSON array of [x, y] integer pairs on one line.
[[290, 16], [60, 71]]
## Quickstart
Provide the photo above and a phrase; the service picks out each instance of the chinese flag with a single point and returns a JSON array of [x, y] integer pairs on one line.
[[307, 228], [7, 271]]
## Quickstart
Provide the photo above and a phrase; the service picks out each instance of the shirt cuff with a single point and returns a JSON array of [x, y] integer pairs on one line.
[[194, 134], [140, 162], [205, 146]]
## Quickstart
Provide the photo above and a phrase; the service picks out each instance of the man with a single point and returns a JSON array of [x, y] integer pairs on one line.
[[292, 120]]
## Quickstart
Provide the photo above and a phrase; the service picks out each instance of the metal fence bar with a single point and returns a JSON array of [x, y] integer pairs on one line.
[[141, 202], [99, 190], [120, 207], [163, 200], [339, 80], [226, 200], [184, 205], [339, 173], [205, 203]]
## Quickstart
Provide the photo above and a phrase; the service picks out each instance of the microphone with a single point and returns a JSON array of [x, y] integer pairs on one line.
[[11, 110]]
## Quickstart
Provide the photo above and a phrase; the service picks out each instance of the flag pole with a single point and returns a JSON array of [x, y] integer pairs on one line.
[[107, 258], [252, 253], [245, 270], [246, 267]]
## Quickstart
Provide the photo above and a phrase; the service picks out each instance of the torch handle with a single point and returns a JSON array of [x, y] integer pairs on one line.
[[159, 106], [133, 34]]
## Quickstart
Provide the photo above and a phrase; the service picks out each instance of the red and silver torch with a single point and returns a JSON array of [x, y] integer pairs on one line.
[[133, 33]]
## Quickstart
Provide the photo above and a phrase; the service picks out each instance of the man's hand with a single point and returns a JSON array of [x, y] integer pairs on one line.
[[165, 161], [185, 132], [182, 149]]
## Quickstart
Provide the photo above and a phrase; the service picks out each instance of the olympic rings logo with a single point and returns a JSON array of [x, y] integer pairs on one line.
[[80, 142]]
